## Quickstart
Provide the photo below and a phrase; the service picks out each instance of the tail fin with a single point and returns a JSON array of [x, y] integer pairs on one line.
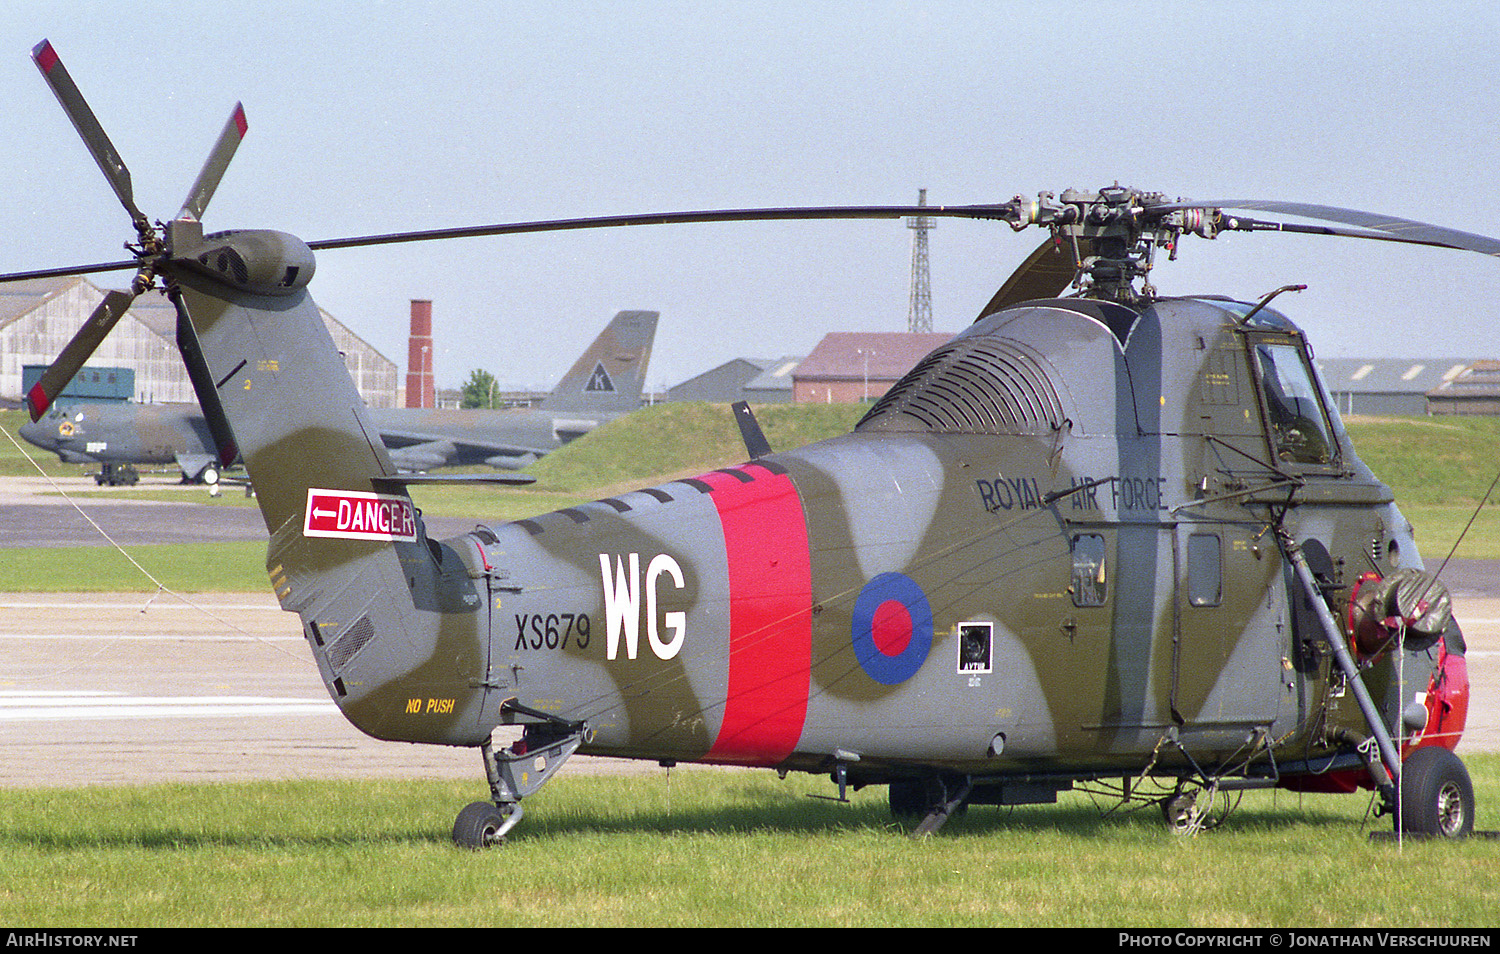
[[269, 368], [612, 372], [393, 618], [384, 608]]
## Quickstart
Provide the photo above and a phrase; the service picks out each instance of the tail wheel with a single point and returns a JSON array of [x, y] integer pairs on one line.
[[1437, 797], [480, 825], [1192, 807]]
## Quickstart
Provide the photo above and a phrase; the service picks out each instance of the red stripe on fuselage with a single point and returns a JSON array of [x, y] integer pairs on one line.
[[770, 616]]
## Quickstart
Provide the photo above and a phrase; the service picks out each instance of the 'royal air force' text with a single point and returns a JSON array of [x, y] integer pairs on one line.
[[1119, 494]]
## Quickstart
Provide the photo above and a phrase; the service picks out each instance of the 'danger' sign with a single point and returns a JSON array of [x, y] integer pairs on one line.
[[356, 515]]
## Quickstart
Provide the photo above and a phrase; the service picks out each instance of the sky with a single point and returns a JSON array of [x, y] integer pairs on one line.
[[379, 116]]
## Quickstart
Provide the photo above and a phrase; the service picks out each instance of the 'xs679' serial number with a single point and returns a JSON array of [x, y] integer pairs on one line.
[[552, 631]]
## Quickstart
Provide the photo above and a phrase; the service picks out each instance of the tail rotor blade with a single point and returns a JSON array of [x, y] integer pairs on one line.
[[88, 127], [78, 351], [218, 160]]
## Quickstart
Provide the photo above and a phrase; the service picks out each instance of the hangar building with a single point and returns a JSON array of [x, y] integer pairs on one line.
[[1474, 390], [756, 380], [1396, 386], [853, 366], [38, 318]]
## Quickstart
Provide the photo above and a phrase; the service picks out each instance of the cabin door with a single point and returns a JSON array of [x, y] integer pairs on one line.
[[1231, 627]]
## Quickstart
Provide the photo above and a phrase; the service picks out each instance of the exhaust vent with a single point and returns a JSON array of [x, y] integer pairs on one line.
[[347, 646], [227, 261]]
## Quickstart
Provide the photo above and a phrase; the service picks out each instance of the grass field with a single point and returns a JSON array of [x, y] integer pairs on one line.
[[719, 848], [1440, 469], [704, 847]]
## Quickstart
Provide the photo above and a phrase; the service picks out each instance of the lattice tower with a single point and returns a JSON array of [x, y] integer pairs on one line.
[[919, 310]]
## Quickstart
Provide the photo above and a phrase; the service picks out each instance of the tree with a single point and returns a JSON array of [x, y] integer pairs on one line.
[[480, 390]]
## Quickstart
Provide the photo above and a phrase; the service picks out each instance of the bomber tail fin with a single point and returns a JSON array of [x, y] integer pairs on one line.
[[612, 372]]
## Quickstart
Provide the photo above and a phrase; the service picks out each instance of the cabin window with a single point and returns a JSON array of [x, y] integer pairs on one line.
[[1205, 570], [1299, 427], [1090, 583]]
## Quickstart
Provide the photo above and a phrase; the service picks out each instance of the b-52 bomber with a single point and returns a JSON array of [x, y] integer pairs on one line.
[[604, 383], [1104, 537]]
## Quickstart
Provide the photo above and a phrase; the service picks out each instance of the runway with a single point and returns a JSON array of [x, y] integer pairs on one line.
[[36, 512], [122, 689], [125, 688]]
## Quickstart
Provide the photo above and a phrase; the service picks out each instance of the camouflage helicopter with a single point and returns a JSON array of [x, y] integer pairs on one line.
[[1102, 537]]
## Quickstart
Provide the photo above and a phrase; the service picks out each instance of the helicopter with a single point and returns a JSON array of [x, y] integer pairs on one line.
[[1102, 538]]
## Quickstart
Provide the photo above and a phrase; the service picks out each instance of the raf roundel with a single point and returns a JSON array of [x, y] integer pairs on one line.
[[892, 628]]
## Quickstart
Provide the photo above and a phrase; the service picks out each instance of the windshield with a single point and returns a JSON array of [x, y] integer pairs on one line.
[[1299, 428]]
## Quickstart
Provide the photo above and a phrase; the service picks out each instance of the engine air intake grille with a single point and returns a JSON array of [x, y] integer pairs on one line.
[[973, 385]]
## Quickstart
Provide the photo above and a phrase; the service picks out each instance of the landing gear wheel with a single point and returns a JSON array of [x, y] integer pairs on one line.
[[1180, 811], [480, 825], [1437, 797]]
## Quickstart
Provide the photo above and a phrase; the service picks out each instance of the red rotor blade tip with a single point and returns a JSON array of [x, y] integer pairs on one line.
[[37, 402], [44, 55]]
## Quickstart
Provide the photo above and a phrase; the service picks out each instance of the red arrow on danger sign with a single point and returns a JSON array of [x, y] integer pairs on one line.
[[357, 515]]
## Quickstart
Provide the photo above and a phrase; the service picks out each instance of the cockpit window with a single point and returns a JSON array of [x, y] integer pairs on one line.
[[1300, 432]]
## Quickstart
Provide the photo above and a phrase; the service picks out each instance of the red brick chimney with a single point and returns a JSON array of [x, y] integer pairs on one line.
[[420, 390]]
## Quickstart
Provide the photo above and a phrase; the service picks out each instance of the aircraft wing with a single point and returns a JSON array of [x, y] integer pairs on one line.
[[423, 451]]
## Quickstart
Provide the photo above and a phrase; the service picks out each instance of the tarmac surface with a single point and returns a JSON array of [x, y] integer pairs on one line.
[[120, 689], [36, 512]]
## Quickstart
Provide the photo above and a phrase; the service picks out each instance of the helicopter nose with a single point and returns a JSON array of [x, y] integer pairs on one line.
[[37, 433]]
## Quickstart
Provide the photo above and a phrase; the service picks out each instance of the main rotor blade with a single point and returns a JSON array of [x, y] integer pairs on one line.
[[218, 160], [1386, 228], [88, 127], [68, 270], [77, 352], [1006, 211]]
